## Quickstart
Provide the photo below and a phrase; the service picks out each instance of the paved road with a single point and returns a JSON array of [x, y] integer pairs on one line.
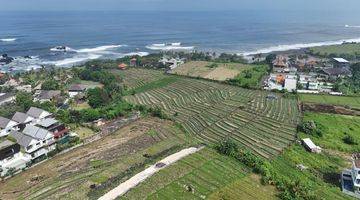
[[142, 176]]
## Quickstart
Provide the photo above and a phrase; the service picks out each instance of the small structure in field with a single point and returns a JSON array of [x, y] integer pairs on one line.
[[133, 62], [310, 146], [122, 66], [350, 178]]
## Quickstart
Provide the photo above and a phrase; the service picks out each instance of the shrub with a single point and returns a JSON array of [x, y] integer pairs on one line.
[[350, 140], [228, 147]]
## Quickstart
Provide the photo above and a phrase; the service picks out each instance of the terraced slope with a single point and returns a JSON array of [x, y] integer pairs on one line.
[[138, 77], [210, 111]]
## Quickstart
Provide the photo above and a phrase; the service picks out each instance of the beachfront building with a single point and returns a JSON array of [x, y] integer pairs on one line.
[[11, 158], [6, 126]]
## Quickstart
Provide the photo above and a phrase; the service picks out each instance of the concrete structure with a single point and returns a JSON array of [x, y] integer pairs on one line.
[[350, 178], [11, 158], [290, 83], [310, 146]]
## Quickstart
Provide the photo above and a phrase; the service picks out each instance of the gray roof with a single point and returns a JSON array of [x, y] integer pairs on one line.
[[6, 96], [36, 132], [49, 94], [47, 122], [20, 117], [5, 144], [336, 71], [4, 122], [35, 112], [22, 139], [77, 87]]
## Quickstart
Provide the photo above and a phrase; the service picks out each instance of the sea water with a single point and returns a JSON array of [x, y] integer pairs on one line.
[[113, 34]]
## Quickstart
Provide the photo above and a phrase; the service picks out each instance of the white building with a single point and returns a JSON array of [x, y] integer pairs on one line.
[[35, 141], [6, 126], [11, 158], [290, 83]]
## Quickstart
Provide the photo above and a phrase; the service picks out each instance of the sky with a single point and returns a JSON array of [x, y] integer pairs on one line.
[[180, 5]]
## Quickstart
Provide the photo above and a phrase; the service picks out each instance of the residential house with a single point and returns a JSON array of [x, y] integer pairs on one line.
[[22, 119], [38, 114], [6, 98], [11, 158], [36, 141], [24, 88], [76, 89], [308, 82], [47, 95], [6, 126], [55, 127], [334, 73], [280, 64], [340, 63]]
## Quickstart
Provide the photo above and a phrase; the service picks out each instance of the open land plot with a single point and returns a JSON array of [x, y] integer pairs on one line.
[[211, 111], [205, 174], [335, 128], [137, 77], [105, 162], [353, 102], [323, 170], [211, 70]]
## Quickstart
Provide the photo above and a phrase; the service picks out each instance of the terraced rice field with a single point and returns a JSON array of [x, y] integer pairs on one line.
[[138, 77], [194, 177], [211, 111]]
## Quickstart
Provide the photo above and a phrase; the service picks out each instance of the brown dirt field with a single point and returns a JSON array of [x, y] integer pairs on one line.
[[222, 74], [73, 170]]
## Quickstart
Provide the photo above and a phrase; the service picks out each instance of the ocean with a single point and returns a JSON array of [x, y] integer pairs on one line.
[[113, 34]]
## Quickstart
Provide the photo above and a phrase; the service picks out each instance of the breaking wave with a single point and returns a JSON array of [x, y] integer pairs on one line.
[[141, 54], [298, 46], [350, 26], [74, 60], [8, 39], [169, 47], [98, 49]]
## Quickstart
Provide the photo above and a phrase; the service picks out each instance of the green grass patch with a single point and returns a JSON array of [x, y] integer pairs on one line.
[[353, 102], [250, 78], [348, 51], [334, 129]]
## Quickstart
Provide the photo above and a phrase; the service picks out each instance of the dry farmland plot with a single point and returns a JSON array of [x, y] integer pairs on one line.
[[69, 176], [210, 111], [209, 70]]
